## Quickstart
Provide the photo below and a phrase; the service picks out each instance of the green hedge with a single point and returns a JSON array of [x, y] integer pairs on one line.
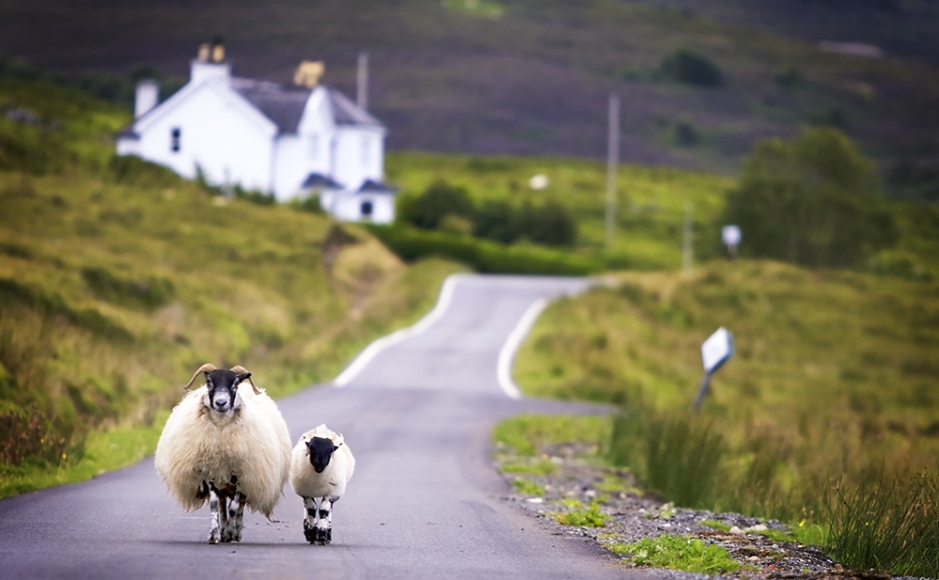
[[482, 255]]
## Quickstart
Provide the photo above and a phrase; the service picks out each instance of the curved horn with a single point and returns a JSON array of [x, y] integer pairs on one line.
[[206, 368], [240, 370]]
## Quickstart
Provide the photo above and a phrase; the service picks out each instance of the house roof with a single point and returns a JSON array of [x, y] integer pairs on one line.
[[320, 181], [284, 105], [371, 186], [278, 103], [345, 112], [128, 133]]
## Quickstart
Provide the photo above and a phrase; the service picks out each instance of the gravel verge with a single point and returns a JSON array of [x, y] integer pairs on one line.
[[633, 515]]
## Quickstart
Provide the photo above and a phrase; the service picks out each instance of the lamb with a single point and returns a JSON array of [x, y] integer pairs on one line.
[[320, 467], [224, 442]]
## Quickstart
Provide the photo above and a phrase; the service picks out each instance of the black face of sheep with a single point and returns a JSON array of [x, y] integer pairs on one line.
[[321, 451], [222, 390]]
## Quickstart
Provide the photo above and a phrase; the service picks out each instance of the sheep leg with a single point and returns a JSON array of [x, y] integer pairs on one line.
[[217, 507], [324, 523], [309, 519], [234, 525]]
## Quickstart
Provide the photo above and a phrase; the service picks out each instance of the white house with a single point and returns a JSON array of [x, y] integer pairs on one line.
[[289, 141]]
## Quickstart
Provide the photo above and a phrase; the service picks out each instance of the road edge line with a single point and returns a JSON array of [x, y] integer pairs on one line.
[[507, 354], [372, 350]]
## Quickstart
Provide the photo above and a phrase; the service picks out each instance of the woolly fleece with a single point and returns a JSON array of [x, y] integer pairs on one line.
[[199, 445]]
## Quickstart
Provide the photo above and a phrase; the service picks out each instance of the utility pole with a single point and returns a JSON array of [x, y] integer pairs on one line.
[[362, 85], [687, 248], [612, 163]]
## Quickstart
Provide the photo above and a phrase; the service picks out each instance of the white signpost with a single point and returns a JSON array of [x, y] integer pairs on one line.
[[731, 236], [715, 351]]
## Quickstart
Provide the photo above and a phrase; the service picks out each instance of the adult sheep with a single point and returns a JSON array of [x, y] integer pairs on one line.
[[226, 442], [320, 468]]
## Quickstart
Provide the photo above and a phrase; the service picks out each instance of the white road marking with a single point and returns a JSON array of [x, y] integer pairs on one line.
[[507, 354], [372, 350]]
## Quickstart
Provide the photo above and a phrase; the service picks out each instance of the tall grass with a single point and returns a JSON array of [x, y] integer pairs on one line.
[[872, 517], [677, 457], [887, 522]]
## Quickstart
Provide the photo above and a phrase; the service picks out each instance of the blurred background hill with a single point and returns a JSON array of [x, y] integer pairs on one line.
[[700, 81]]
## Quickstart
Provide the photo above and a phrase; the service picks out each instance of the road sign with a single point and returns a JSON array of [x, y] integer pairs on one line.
[[717, 349], [731, 235]]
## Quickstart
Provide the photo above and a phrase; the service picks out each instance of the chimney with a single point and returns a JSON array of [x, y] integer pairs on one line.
[[308, 73], [148, 95], [210, 63], [362, 85]]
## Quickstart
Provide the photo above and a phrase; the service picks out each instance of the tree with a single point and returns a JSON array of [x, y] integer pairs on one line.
[[549, 224], [691, 68], [813, 201], [497, 220], [438, 200]]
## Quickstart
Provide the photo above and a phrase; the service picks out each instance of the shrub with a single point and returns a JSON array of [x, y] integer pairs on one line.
[[483, 255], [686, 135], [690, 68], [813, 201], [440, 199], [549, 224], [497, 221], [790, 78]]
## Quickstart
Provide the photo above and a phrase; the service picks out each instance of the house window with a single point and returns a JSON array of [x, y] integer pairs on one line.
[[367, 209], [174, 139]]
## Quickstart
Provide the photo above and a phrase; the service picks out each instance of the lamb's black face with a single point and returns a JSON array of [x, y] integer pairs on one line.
[[222, 390], [321, 450]]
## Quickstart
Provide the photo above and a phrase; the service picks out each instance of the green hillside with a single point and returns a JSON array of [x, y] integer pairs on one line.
[[118, 278], [532, 78]]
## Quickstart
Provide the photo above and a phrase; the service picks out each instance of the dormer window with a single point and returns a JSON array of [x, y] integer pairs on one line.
[[175, 135]]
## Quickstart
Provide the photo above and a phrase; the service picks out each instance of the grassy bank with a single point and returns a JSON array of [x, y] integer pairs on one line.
[[825, 415], [113, 293]]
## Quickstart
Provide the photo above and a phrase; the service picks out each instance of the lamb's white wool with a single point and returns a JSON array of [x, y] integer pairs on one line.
[[320, 490], [243, 454]]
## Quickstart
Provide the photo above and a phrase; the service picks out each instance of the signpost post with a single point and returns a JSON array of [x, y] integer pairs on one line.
[[715, 351]]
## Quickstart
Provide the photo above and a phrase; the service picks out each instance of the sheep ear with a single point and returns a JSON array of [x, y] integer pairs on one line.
[[247, 377]]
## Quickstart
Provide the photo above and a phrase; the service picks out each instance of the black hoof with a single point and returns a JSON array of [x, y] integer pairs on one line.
[[310, 535], [324, 536]]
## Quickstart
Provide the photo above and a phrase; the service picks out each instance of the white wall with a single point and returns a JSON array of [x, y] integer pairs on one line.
[[233, 143], [219, 132], [349, 208], [359, 156]]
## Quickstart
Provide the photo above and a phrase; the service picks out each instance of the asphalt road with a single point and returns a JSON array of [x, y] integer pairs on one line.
[[424, 501]]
